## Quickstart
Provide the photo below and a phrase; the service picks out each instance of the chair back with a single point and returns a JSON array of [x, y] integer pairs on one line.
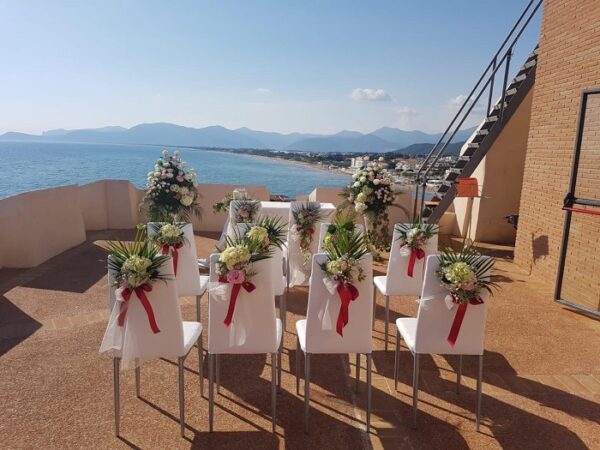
[[235, 204], [237, 229], [357, 335], [299, 269], [136, 340], [187, 278], [397, 280], [323, 232], [254, 328], [434, 319], [279, 283]]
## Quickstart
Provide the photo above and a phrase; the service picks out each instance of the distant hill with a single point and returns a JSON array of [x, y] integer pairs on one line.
[[168, 134], [424, 149]]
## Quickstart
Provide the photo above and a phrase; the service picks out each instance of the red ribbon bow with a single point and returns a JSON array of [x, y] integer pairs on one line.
[[140, 291], [347, 293], [309, 230], [174, 253], [235, 290], [415, 253], [458, 318]]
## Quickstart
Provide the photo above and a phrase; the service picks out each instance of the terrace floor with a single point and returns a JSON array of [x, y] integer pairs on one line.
[[541, 376]]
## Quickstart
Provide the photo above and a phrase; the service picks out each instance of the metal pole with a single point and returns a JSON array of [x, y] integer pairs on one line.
[[505, 82], [489, 107]]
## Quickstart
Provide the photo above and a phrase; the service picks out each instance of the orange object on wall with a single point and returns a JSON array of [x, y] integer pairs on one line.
[[467, 187]]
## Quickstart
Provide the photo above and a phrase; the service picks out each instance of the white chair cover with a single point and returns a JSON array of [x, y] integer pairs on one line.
[[323, 233], [323, 308], [255, 328], [187, 278], [299, 268], [397, 281], [434, 320], [135, 342], [232, 206], [279, 282]]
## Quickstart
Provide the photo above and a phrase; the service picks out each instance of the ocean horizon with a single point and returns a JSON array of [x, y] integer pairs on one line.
[[41, 165]]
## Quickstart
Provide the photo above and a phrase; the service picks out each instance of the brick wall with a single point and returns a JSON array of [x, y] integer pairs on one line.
[[569, 61]]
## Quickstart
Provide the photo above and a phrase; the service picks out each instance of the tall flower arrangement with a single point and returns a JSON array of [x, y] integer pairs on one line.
[[466, 275], [370, 194], [171, 194], [306, 216], [245, 211]]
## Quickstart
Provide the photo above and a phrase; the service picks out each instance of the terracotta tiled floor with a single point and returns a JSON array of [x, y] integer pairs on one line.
[[541, 377]]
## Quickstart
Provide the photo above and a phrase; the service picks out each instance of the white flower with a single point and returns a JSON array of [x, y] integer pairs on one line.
[[356, 184], [175, 188], [360, 207], [165, 152], [360, 198], [363, 179], [177, 153], [186, 200], [376, 181], [355, 176]]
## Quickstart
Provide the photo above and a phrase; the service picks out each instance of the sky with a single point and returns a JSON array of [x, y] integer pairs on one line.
[[316, 66]]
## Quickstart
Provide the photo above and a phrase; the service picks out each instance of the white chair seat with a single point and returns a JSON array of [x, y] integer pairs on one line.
[[204, 279], [191, 333], [279, 331], [407, 327], [379, 282], [203, 263], [301, 331]]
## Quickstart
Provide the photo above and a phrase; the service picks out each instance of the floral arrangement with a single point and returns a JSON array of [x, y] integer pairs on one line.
[[170, 191], [370, 194], [306, 216], [465, 275], [170, 238], [135, 267], [413, 238], [223, 205], [270, 231], [235, 266], [342, 224], [343, 268], [244, 211]]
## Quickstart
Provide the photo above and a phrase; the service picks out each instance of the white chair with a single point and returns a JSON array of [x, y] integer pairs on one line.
[[189, 282], [298, 270], [279, 283], [204, 263], [136, 342], [316, 335], [232, 209], [397, 281], [428, 332], [323, 232], [254, 330]]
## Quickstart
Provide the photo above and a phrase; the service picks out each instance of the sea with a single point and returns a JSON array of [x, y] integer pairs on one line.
[[28, 166]]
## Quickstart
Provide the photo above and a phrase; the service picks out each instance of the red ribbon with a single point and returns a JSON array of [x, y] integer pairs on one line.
[[309, 230], [235, 290], [458, 318], [174, 253], [140, 292], [347, 293], [415, 253]]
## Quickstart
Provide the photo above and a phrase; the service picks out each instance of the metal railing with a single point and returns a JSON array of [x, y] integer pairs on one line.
[[501, 58]]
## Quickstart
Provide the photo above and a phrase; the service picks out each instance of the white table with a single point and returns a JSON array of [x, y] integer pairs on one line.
[[282, 209]]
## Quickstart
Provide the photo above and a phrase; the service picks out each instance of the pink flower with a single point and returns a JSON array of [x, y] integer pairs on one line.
[[180, 179], [235, 276]]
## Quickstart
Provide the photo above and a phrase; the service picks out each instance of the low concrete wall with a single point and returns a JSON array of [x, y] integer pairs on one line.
[[35, 226]]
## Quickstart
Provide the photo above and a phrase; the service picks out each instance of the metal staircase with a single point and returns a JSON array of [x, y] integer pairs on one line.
[[496, 117]]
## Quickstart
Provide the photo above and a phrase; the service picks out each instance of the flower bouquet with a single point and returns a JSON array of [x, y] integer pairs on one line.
[[342, 224], [413, 237], [465, 274], [223, 205], [343, 268], [170, 191], [244, 211], [371, 193], [270, 231], [170, 238], [306, 216], [235, 266], [134, 268]]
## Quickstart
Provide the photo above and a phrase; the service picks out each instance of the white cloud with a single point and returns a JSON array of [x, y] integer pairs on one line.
[[264, 91], [457, 102], [370, 95]]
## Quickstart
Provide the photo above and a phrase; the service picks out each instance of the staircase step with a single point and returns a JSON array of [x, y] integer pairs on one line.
[[534, 53], [511, 91], [530, 64], [443, 189], [483, 131], [469, 152], [452, 176], [491, 119], [519, 78], [472, 145], [497, 106], [461, 163]]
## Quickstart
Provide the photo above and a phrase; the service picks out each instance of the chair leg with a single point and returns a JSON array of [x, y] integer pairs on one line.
[[200, 365], [211, 396], [458, 374], [218, 372], [387, 320], [357, 371], [198, 298], [369, 370], [396, 360], [273, 389], [479, 386], [374, 305], [306, 390], [298, 366], [117, 400], [180, 361], [138, 375], [415, 389], [279, 367], [283, 312]]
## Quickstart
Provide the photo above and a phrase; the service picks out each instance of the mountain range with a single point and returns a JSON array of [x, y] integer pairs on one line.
[[168, 134]]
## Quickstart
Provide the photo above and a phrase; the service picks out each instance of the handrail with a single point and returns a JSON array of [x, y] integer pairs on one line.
[[428, 163]]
